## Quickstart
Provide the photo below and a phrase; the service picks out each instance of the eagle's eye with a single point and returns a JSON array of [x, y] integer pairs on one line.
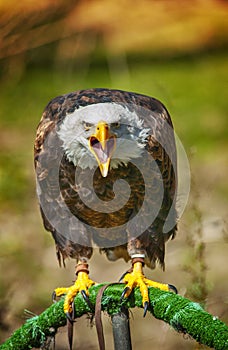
[[115, 125], [87, 126]]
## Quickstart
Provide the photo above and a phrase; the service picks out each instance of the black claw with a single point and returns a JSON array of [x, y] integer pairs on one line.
[[123, 275], [172, 288], [145, 307], [85, 297], [73, 310], [54, 297], [69, 317], [123, 293]]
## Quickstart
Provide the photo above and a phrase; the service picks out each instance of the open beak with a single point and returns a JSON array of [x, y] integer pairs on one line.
[[102, 144]]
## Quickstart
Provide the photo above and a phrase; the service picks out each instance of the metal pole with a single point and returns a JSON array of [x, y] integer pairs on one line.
[[121, 330]]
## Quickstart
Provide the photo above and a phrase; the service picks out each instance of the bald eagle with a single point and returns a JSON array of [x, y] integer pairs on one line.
[[105, 164]]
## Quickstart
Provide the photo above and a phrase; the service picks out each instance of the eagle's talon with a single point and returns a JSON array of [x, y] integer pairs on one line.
[[73, 310], [145, 308], [86, 298], [126, 289], [82, 284], [54, 297], [69, 317], [136, 278], [172, 288], [123, 275]]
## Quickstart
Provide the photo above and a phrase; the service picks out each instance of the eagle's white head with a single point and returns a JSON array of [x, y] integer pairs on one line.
[[107, 134]]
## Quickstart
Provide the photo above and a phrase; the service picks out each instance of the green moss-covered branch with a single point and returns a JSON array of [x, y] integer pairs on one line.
[[182, 314]]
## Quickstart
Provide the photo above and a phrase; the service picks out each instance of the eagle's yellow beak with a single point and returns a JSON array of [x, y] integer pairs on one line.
[[102, 144]]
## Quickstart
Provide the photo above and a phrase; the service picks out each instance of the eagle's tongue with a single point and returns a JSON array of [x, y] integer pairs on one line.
[[103, 154]]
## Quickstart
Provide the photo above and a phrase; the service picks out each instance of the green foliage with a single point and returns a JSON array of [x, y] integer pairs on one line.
[[182, 314]]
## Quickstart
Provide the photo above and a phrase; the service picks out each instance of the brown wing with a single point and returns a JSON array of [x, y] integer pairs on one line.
[[161, 145], [47, 158]]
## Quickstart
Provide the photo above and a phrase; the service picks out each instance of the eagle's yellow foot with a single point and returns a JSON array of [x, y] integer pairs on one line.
[[136, 278], [82, 284]]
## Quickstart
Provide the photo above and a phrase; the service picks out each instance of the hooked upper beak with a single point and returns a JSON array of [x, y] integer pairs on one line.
[[102, 144]]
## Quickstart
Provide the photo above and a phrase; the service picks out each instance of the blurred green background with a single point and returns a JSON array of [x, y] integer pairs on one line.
[[174, 51]]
